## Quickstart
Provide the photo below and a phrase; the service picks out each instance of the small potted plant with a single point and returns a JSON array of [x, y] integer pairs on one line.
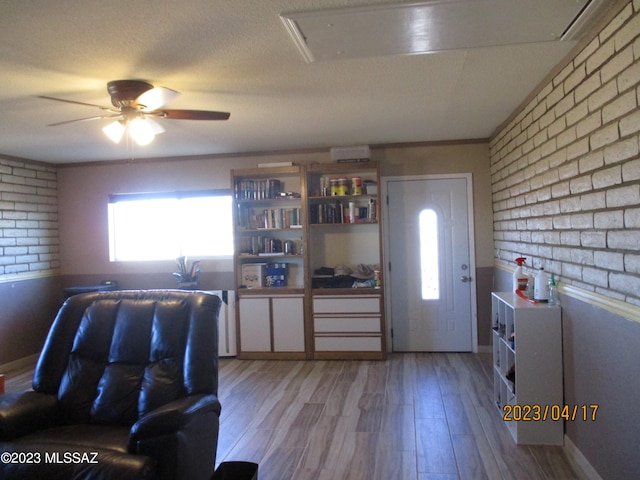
[[187, 277]]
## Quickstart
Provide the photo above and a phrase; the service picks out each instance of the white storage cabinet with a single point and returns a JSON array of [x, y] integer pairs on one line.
[[271, 323], [527, 368]]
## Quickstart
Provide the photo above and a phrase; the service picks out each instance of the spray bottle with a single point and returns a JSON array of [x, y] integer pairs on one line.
[[520, 279]]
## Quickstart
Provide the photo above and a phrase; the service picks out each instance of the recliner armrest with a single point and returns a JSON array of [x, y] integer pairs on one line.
[[25, 412], [171, 417]]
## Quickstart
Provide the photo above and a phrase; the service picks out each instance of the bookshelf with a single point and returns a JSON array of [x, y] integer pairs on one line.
[[289, 223], [269, 262], [344, 229]]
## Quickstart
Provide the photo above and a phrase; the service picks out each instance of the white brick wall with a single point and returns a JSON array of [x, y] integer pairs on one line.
[[566, 170], [28, 217]]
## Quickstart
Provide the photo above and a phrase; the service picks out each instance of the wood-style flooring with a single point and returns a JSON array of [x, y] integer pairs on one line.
[[416, 416]]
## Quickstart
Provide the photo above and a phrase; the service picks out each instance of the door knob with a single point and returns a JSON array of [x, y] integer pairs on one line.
[[465, 279]]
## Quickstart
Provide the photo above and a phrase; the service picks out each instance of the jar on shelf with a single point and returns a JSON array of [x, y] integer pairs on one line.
[[342, 187], [333, 186], [356, 185]]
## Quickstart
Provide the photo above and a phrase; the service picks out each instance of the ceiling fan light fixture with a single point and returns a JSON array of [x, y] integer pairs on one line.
[[141, 131], [115, 131], [134, 103]]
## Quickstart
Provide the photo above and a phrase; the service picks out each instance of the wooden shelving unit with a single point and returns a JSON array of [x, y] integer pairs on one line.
[[303, 319]]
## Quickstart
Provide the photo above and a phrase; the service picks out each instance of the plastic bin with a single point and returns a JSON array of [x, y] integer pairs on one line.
[[236, 471]]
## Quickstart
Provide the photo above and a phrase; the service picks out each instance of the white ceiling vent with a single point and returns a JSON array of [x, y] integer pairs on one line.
[[436, 25]]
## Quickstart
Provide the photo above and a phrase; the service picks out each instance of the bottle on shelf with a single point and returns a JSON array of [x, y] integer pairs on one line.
[[541, 286], [553, 291]]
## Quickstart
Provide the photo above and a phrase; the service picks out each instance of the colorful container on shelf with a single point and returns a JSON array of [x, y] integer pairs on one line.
[[277, 274], [339, 187], [356, 185]]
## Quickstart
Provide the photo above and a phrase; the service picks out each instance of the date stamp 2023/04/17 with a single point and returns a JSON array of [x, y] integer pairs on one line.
[[556, 413]]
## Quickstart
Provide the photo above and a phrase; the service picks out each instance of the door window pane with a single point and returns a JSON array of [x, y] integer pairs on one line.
[[429, 271]]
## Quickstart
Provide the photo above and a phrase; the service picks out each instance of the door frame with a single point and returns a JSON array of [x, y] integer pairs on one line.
[[387, 275]]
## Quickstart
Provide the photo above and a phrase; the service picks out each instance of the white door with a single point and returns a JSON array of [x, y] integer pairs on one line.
[[430, 264]]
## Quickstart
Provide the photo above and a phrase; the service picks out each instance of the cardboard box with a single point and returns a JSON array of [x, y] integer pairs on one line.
[[253, 275]]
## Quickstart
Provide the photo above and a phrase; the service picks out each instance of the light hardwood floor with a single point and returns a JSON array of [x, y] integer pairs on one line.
[[417, 416]]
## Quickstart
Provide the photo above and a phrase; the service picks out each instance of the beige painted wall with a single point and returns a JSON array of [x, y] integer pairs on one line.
[[84, 190]]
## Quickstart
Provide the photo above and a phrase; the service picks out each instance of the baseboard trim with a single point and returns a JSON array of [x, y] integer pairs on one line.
[[580, 459]]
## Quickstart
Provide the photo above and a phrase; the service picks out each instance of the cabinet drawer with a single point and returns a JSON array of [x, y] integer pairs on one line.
[[347, 324], [346, 304], [348, 344]]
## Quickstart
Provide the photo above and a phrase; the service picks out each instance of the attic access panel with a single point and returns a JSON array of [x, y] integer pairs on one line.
[[436, 25]]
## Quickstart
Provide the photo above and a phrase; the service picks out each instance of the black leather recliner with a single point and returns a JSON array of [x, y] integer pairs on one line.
[[125, 388]]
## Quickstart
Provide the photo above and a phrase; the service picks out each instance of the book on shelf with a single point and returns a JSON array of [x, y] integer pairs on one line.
[[254, 189], [250, 218], [335, 213], [261, 245]]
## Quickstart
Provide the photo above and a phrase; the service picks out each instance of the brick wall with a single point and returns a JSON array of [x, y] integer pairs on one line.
[[566, 170], [28, 217]]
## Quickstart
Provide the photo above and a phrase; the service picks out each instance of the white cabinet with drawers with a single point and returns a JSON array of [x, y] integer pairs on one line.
[[348, 325]]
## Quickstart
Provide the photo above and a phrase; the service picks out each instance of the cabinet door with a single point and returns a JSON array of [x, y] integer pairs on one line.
[[255, 329], [288, 324]]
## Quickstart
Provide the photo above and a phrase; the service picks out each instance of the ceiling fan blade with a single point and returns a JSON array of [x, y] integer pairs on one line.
[[76, 102], [97, 117], [155, 98], [192, 114]]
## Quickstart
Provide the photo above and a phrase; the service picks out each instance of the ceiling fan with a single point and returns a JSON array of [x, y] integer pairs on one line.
[[135, 103]]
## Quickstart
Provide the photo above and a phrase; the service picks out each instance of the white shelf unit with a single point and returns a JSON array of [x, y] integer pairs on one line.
[[528, 367]]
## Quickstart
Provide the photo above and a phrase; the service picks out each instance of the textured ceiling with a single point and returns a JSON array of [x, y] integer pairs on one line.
[[237, 56]]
